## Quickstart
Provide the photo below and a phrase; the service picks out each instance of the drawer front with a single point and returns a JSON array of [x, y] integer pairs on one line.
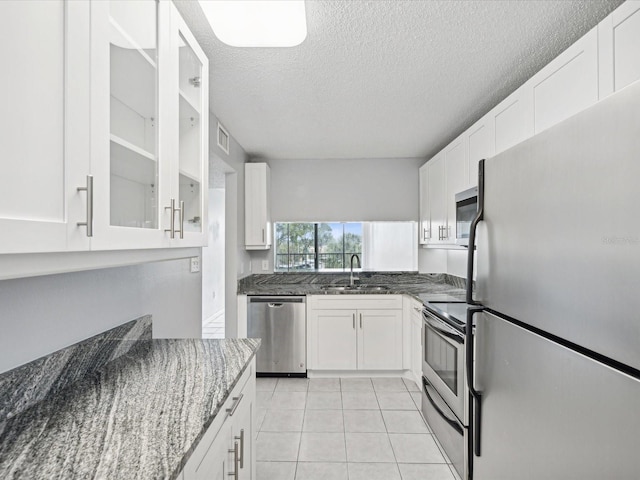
[[355, 301]]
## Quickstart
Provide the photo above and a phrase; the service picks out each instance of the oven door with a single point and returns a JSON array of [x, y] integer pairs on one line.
[[443, 363], [452, 435]]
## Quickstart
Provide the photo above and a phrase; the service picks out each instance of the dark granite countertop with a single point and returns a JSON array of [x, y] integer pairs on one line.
[[139, 416], [423, 287]]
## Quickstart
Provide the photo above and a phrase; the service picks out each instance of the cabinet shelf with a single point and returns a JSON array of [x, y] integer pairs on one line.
[[190, 110], [132, 163]]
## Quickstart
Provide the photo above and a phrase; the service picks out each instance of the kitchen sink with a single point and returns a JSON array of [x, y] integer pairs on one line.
[[353, 288]]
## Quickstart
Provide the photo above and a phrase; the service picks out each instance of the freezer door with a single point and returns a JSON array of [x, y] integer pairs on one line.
[[551, 413], [559, 247]]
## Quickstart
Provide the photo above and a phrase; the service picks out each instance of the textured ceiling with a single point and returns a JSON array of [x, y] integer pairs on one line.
[[384, 79]]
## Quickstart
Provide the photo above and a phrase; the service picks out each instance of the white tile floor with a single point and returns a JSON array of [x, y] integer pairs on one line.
[[344, 429]]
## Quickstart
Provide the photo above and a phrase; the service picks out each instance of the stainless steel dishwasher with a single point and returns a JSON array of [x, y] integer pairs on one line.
[[281, 323]]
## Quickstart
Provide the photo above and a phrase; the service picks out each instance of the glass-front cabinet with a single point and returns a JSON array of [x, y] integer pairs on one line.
[[192, 77], [149, 89]]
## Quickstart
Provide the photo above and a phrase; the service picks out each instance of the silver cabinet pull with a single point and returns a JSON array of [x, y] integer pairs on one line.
[[234, 407], [89, 222], [354, 321], [263, 240], [236, 473], [172, 222], [360, 321], [241, 438], [181, 216]]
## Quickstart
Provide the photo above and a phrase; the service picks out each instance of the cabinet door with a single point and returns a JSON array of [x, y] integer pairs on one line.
[[45, 125], [130, 171], [618, 40], [242, 432], [333, 339], [186, 136], [456, 175], [567, 85], [379, 339], [437, 191], [425, 217], [512, 119], [257, 216], [217, 462], [480, 144]]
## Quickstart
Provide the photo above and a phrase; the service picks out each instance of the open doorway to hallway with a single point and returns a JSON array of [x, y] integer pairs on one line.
[[213, 255]]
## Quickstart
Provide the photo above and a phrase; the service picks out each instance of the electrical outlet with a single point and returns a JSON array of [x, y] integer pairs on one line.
[[265, 265], [195, 264]]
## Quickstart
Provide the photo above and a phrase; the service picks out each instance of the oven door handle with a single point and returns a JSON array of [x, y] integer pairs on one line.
[[442, 328], [453, 423], [475, 412]]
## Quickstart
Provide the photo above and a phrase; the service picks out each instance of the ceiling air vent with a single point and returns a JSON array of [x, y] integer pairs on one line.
[[223, 138]]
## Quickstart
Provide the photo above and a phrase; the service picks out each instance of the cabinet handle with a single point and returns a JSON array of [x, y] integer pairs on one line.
[[241, 438], [263, 240], [354, 321], [172, 222], [236, 473], [89, 222], [417, 309], [360, 321], [233, 408], [181, 216]]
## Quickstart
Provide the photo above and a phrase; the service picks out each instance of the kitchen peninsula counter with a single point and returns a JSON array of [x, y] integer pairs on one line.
[[140, 415]]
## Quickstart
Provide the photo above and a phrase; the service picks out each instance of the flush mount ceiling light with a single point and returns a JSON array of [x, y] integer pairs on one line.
[[261, 23]]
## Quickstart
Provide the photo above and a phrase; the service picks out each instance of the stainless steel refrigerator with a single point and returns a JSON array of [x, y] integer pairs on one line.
[[555, 363]]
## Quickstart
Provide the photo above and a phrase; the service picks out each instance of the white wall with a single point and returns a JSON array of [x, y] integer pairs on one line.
[[237, 260], [345, 190], [341, 190], [213, 257], [40, 315]]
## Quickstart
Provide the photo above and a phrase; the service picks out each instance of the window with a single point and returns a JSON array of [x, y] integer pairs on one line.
[[316, 246]]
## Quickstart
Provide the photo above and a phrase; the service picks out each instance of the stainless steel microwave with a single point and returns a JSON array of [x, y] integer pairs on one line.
[[466, 209]]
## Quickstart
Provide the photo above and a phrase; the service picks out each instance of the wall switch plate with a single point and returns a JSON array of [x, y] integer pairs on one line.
[[195, 264], [265, 265]]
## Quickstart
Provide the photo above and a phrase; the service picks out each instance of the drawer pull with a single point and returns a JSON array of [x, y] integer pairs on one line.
[[236, 473], [233, 408]]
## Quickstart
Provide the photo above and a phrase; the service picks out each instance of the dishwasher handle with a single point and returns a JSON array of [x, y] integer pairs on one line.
[[276, 301]]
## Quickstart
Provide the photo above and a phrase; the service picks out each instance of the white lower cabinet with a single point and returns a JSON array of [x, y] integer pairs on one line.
[[227, 449], [347, 333]]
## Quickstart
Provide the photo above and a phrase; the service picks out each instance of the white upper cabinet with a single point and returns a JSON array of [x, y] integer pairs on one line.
[[149, 127], [187, 136], [512, 120], [257, 212], [44, 124], [618, 46], [131, 176], [567, 85], [437, 190], [456, 172], [480, 140], [425, 218]]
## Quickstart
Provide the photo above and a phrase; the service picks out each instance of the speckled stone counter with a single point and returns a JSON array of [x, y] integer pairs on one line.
[[424, 287], [139, 416]]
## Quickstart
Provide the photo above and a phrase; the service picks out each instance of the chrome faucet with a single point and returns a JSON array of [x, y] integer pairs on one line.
[[352, 279]]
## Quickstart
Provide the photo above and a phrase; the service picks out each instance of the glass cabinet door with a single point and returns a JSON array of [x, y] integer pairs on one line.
[[133, 114], [190, 155]]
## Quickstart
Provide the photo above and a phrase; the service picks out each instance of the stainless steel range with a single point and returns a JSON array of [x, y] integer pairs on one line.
[[445, 395]]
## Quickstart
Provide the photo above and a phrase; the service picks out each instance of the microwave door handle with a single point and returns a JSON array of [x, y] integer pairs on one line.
[[455, 425], [472, 234], [475, 414]]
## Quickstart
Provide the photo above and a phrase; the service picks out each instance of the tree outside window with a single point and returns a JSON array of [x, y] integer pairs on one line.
[[316, 246]]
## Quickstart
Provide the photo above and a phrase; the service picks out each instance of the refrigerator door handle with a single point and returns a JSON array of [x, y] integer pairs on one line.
[[472, 234], [475, 414]]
